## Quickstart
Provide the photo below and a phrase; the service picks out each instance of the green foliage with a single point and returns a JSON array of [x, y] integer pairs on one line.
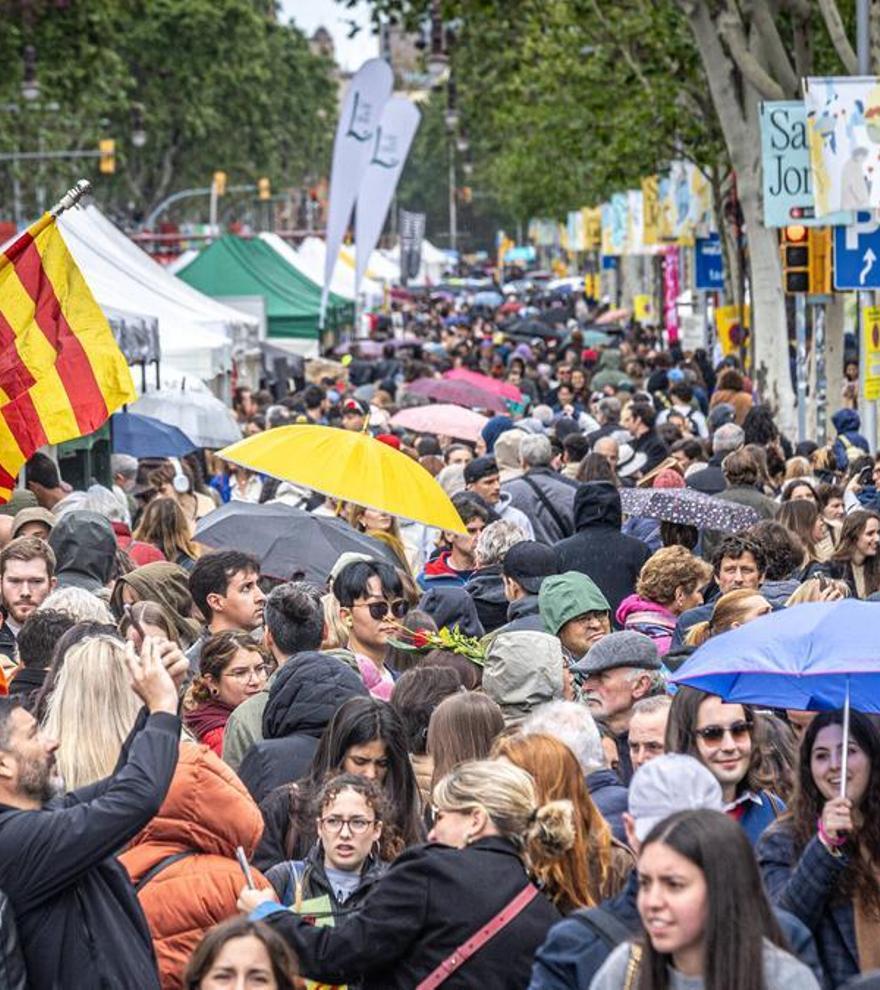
[[222, 83]]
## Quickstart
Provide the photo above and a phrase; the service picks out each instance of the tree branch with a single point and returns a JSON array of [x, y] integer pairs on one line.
[[779, 59], [623, 49], [731, 30], [837, 33]]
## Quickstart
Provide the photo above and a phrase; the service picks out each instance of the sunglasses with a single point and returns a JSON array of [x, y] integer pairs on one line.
[[714, 734], [378, 610]]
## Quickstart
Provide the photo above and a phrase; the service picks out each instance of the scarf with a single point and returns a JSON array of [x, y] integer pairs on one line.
[[208, 716]]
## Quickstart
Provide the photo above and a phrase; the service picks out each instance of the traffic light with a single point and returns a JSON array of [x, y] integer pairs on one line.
[[219, 183], [107, 162], [820, 261], [795, 247], [264, 188]]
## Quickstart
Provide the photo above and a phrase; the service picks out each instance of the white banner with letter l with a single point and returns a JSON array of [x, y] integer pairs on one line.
[[400, 121], [359, 118]]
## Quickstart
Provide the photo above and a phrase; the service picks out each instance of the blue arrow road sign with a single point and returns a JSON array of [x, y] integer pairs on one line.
[[709, 268], [857, 254]]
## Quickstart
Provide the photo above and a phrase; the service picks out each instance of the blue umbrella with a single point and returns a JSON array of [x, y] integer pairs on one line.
[[489, 299], [144, 436], [815, 657]]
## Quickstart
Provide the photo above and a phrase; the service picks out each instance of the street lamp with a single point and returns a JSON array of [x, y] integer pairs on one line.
[[30, 86]]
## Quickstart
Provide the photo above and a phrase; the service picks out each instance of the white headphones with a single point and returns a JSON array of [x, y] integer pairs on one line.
[[180, 482]]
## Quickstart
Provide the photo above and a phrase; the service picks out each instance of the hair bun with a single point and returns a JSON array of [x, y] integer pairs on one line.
[[551, 828]]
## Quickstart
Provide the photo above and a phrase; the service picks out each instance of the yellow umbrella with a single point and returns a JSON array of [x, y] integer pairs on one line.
[[351, 466]]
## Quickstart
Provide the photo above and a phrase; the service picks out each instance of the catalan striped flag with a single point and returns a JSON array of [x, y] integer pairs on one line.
[[61, 371]]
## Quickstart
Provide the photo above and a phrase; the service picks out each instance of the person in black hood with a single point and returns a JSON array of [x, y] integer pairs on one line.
[[85, 550], [304, 695], [598, 548]]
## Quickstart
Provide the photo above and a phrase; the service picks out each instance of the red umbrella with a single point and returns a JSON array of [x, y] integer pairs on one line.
[[458, 393], [510, 307], [493, 385]]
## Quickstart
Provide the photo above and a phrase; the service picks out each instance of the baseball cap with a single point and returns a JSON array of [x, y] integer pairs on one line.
[[720, 415], [528, 563], [354, 406], [669, 784], [479, 468]]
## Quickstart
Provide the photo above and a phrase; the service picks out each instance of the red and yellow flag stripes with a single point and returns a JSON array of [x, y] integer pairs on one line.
[[61, 370]]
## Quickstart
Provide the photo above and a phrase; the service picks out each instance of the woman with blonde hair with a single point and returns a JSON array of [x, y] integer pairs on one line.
[[819, 589], [91, 711], [384, 527], [596, 866], [421, 921], [731, 610], [670, 582], [164, 525]]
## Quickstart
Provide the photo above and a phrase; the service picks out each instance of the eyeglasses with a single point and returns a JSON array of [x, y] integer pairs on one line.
[[245, 673], [714, 734], [357, 826], [378, 610]]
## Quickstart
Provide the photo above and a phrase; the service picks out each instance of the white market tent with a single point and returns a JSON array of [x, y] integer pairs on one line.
[[433, 264], [181, 261], [195, 331], [378, 267], [311, 255]]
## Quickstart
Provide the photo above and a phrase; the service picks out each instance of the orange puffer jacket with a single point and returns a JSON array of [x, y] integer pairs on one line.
[[207, 809]]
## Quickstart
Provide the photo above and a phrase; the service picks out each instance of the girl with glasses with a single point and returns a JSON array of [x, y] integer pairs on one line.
[[232, 668], [366, 738], [726, 740], [707, 920], [349, 854], [820, 861]]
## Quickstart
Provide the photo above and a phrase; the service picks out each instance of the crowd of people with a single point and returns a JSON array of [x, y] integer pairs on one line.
[[460, 760]]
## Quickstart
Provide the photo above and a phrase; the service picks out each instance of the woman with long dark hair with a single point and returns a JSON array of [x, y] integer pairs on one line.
[[820, 862], [707, 920], [365, 737], [856, 559]]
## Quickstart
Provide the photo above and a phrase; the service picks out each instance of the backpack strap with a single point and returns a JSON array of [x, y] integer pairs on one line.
[[609, 928], [461, 955], [564, 528], [161, 865]]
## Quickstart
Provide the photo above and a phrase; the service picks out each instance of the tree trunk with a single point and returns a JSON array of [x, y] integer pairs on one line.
[[736, 103]]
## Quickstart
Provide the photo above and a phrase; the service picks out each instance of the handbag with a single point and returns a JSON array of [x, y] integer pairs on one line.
[[492, 927]]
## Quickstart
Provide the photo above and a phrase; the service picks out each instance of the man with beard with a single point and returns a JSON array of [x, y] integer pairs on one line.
[[78, 915], [620, 669], [27, 575]]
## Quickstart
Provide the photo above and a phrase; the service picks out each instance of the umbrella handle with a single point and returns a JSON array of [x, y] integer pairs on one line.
[[844, 753]]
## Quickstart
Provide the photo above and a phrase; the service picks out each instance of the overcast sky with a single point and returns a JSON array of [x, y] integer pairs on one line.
[[308, 15]]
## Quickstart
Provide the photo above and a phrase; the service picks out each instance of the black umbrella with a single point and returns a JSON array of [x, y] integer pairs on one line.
[[288, 542], [532, 328]]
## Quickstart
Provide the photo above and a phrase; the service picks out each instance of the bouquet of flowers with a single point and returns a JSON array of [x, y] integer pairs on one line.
[[454, 640]]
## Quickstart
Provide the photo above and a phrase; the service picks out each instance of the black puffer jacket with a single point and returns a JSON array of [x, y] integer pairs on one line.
[[486, 588], [304, 695], [598, 548]]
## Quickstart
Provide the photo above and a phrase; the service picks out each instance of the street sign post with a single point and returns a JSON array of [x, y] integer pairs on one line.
[[709, 264], [857, 254]]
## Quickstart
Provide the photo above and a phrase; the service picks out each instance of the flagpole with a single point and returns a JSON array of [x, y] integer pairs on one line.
[[72, 197]]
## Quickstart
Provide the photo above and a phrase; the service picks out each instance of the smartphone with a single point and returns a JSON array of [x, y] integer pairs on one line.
[[138, 628], [245, 867]]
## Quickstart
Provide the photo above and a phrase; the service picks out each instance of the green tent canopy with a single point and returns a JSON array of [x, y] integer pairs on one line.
[[232, 266]]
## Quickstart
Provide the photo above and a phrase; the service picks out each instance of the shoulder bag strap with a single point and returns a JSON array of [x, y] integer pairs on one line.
[[612, 931], [461, 955], [632, 967], [548, 505], [161, 865]]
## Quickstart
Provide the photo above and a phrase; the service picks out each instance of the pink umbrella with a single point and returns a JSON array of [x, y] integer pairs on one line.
[[459, 393], [612, 316], [493, 385], [442, 420]]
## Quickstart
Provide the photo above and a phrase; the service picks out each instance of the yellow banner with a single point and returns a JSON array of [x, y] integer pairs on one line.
[[651, 210], [731, 334], [871, 351]]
